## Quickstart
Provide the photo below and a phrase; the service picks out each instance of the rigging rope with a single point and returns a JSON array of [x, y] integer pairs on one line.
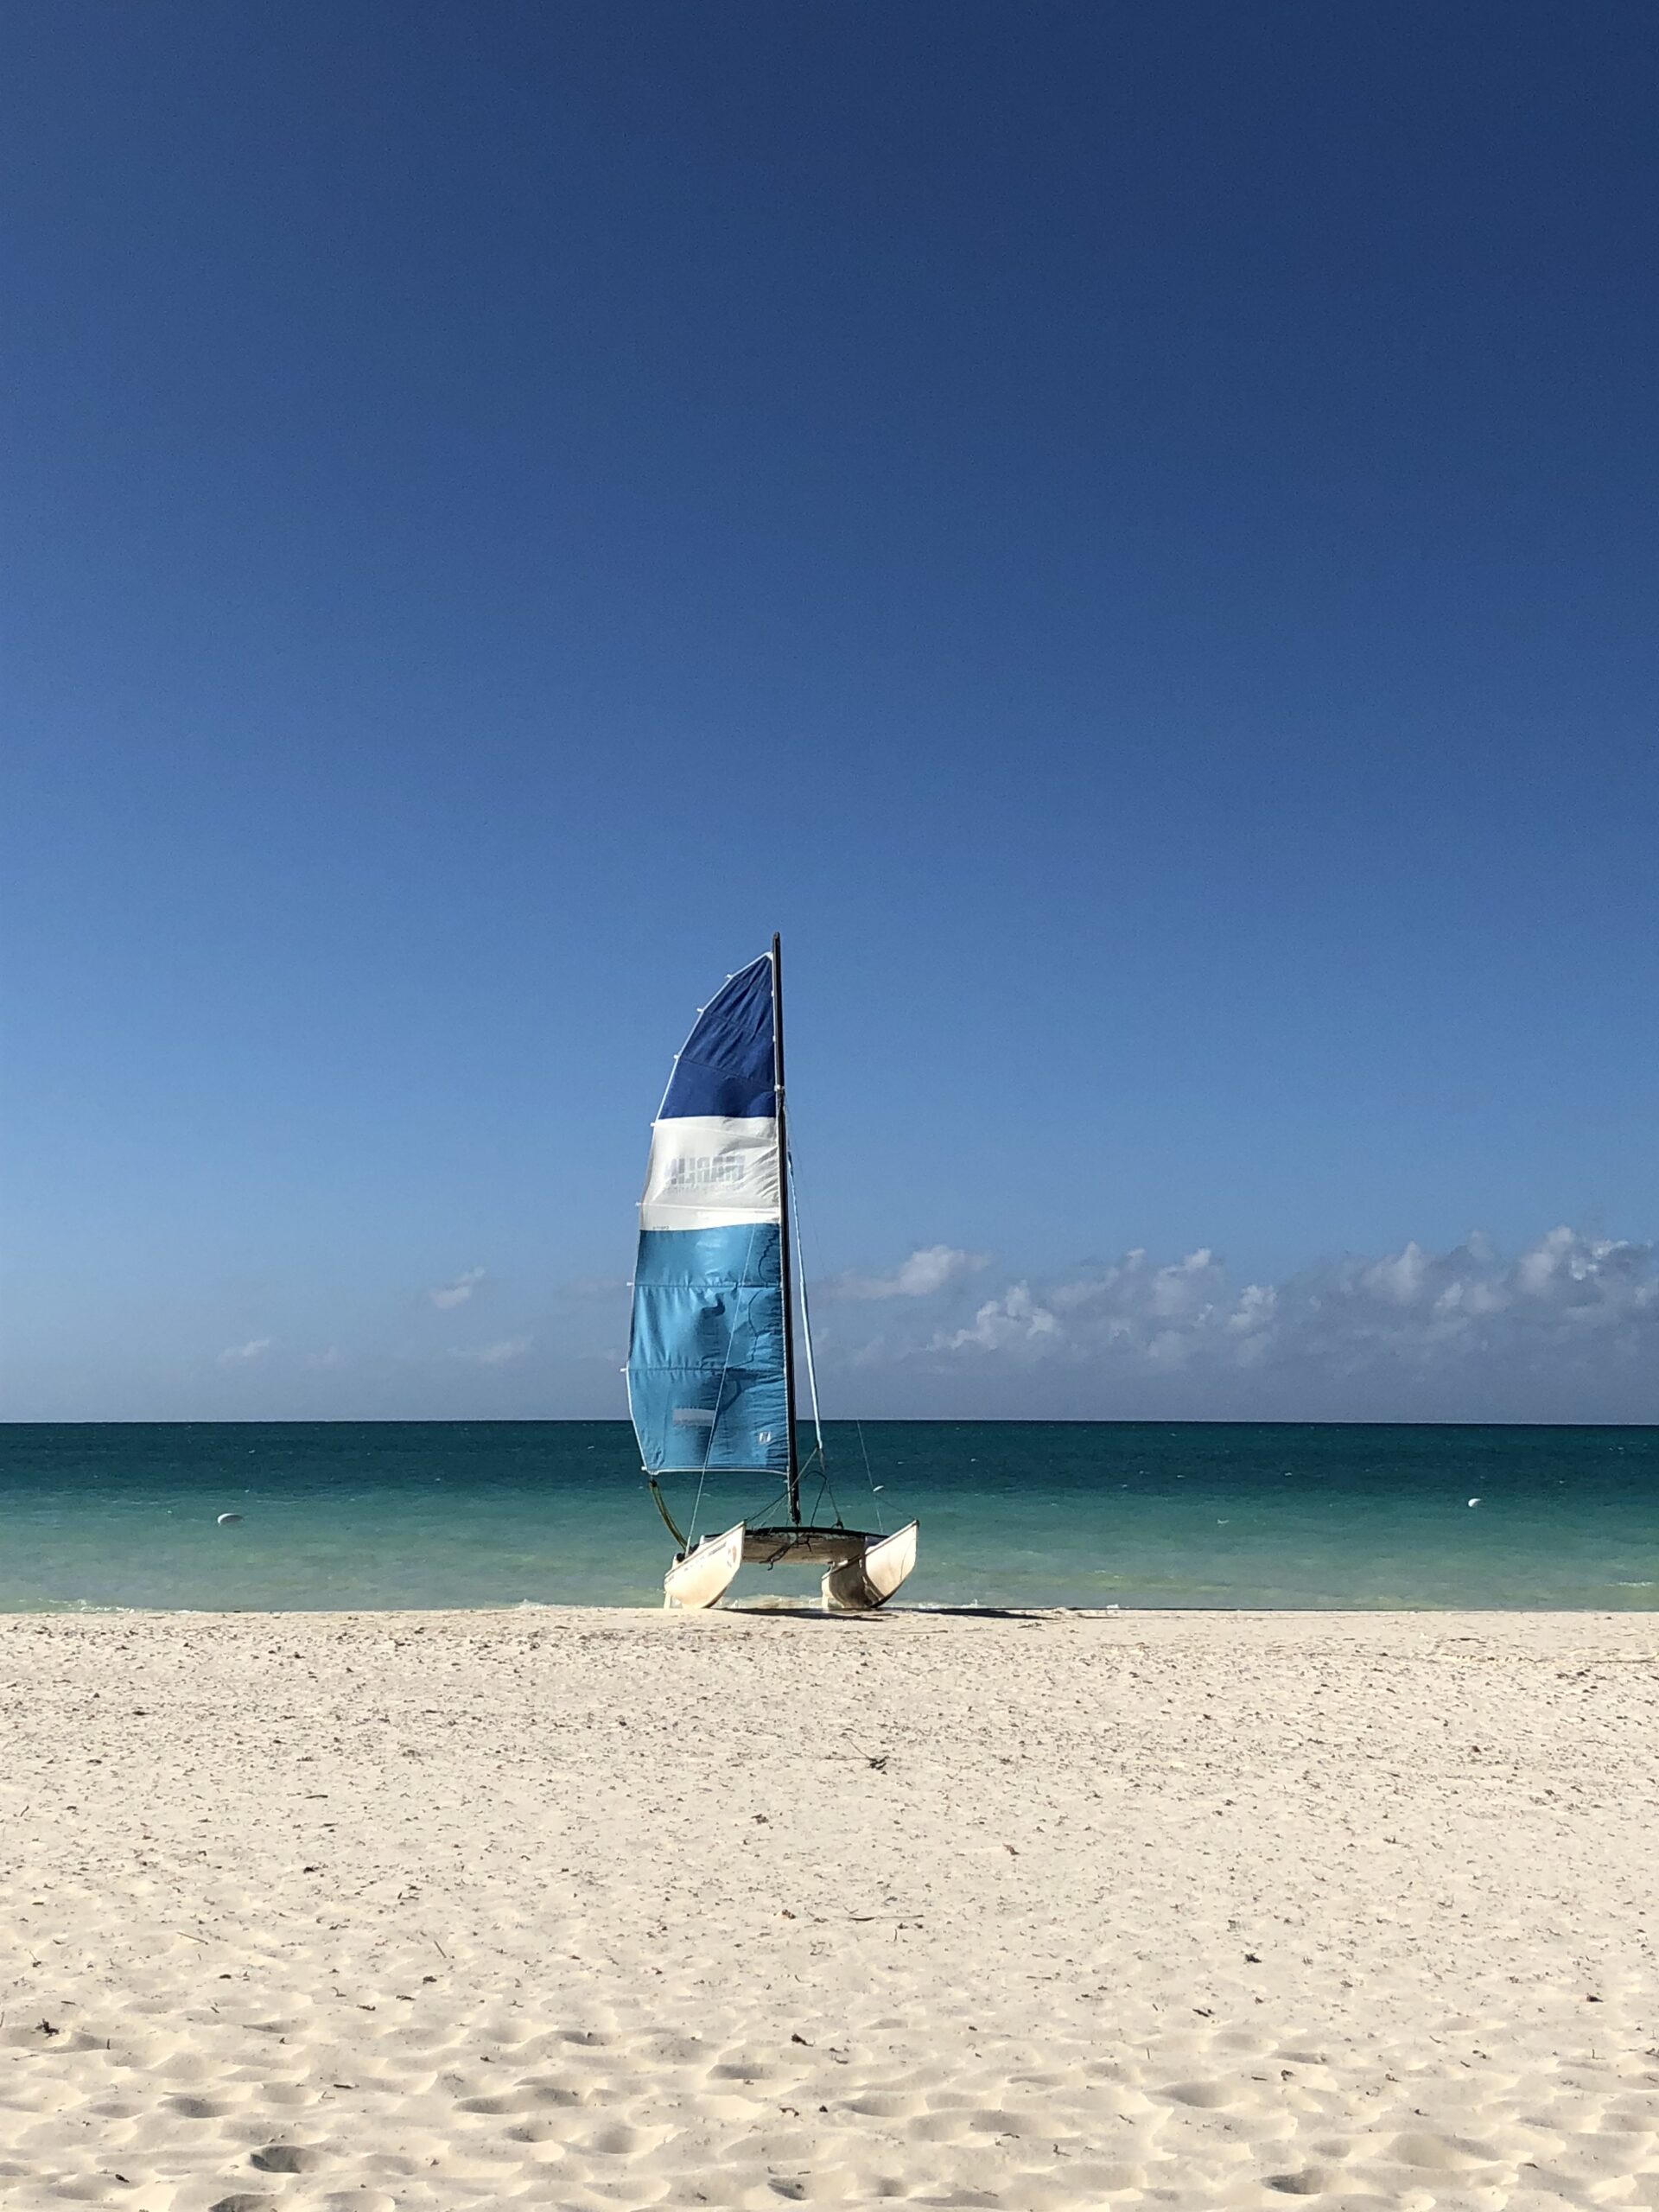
[[668, 1517]]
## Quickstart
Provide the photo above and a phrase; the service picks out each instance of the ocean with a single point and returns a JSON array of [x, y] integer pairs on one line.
[[1013, 1514]]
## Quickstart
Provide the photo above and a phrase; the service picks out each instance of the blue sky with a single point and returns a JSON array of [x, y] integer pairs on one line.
[[1127, 534]]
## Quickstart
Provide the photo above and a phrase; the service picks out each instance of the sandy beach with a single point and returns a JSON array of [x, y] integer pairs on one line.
[[585, 1909]]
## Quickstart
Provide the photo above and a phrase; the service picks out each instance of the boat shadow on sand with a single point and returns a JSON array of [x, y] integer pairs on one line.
[[789, 1608]]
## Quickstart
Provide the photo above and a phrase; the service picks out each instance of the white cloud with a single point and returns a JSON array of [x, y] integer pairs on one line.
[[1568, 1328], [496, 1355], [1407, 1302], [931, 1269], [1015, 1320], [1400, 1278], [329, 1358], [235, 1355], [1133, 1303], [457, 1293]]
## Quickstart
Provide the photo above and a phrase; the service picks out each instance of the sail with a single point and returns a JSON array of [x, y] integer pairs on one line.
[[707, 1383]]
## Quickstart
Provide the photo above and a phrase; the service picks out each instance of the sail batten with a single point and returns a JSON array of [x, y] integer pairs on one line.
[[708, 1356]]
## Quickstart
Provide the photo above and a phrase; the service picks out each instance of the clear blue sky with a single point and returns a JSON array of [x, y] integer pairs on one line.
[[1127, 533]]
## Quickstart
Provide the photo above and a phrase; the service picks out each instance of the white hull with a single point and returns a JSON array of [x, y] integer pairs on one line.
[[703, 1577], [855, 1585], [865, 1583]]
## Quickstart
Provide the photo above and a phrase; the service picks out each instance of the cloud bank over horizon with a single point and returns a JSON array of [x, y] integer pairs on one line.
[[1568, 1329], [1565, 1329]]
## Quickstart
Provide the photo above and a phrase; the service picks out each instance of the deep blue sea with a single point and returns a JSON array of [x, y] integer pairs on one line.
[[1013, 1514]]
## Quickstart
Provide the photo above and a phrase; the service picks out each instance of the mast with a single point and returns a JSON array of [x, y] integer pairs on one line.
[[793, 1475]]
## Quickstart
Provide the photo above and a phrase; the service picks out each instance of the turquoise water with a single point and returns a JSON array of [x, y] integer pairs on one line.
[[391, 1514]]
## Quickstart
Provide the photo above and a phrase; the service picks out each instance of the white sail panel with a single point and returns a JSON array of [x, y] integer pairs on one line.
[[711, 1171]]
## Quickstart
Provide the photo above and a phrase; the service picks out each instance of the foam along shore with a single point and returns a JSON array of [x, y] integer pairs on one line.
[[607, 1909]]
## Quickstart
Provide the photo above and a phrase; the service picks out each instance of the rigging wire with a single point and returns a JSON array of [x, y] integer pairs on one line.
[[826, 1488], [869, 1477], [864, 1453], [806, 1316], [821, 1453]]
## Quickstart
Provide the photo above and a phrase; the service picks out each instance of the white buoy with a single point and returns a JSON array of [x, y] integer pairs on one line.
[[225, 1518], [1474, 1501]]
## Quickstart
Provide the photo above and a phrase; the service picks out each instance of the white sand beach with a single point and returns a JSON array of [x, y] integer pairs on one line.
[[605, 1908]]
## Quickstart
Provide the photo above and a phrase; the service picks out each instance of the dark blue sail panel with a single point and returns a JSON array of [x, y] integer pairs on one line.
[[725, 1066], [706, 1383]]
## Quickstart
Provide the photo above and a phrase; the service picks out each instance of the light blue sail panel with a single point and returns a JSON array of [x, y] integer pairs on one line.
[[706, 1361]]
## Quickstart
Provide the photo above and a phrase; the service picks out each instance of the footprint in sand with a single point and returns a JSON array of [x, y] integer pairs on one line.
[[539, 2131], [543, 2092], [1104, 2176], [1441, 2153], [616, 2142], [947, 2125], [286, 2158], [1203, 2096], [672, 2050]]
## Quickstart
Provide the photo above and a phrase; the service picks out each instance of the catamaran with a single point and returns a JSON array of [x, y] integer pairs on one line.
[[711, 1357]]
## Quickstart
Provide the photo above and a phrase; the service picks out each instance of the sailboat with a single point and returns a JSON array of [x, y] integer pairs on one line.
[[711, 1355]]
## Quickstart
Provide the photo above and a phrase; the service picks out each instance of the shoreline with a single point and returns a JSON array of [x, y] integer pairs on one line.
[[598, 1906], [805, 1608]]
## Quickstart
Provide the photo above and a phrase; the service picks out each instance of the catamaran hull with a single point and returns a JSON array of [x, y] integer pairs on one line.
[[869, 1580], [864, 1570], [703, 1577]]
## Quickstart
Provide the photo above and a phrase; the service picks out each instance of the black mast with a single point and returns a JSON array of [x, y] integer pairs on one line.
[[793, 1475]]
